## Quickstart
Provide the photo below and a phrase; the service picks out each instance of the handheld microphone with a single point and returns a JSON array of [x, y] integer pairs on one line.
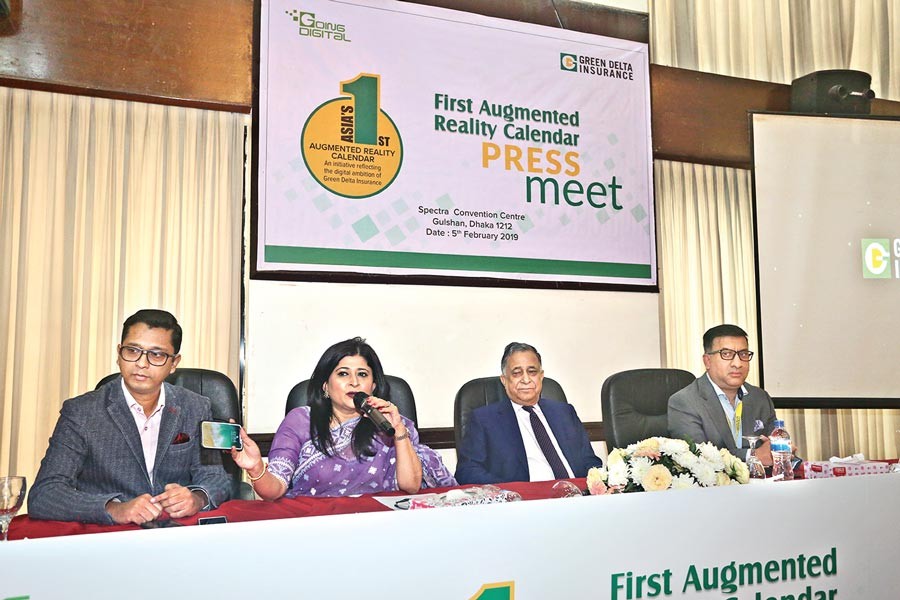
[[381, 422]]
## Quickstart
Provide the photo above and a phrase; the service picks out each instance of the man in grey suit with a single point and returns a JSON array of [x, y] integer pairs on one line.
[[720, 407], [130, 452]]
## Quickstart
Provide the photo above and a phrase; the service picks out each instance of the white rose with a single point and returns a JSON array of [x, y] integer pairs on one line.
[[649, 444], [727, 458], [615, 457], [683, 482], [741, 472]]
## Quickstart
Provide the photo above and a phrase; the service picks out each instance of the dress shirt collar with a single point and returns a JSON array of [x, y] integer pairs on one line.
[[135, 406], [722, 395]]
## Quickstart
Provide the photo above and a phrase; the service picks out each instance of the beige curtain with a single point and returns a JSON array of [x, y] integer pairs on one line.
[[705, 219], [705, 256], [107, 207], [779, 40]]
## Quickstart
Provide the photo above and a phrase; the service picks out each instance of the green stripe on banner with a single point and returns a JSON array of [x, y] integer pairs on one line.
[[453, 262]]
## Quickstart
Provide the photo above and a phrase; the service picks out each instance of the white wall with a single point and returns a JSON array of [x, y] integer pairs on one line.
[[634, 5], [437, 338]]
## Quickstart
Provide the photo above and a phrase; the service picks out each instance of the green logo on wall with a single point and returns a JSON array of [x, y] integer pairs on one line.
[[568, 62], [876, 259]]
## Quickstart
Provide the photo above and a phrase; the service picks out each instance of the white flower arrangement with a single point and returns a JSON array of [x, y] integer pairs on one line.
[[659, 463]]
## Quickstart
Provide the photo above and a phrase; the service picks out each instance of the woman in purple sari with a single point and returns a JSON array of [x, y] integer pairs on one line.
[[328, 449]]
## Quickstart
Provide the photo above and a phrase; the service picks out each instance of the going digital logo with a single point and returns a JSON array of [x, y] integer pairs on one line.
[[310, 26], [876, 258]]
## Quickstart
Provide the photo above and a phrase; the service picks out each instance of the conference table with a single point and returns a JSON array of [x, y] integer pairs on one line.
[[815, 539], [238, 511]]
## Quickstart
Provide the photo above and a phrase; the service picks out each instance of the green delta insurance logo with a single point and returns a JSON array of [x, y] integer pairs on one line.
[[592, 65], [568, 62], [876, 258]]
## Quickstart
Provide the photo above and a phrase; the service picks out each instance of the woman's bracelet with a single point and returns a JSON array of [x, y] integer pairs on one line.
[[402, 436], [258, 477]]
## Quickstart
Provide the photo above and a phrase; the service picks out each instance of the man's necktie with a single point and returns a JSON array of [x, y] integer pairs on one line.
[[543, 440]]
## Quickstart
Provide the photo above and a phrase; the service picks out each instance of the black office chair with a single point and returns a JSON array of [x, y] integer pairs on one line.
[[487, 390], [401, 395], [635, 404], [224, 405]]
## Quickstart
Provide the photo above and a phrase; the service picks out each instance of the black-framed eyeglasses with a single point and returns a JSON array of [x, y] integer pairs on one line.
[[728, 354], [157, 358]]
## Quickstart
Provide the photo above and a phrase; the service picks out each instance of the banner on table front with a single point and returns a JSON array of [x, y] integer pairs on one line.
[[402, 139], [820, 539]]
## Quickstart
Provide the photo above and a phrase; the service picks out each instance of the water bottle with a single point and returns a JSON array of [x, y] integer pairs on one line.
[[780, 442]]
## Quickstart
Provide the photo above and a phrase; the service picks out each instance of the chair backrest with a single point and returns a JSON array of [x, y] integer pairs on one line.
[[224, 405], [635, 403], [401, 395], [487, 390]]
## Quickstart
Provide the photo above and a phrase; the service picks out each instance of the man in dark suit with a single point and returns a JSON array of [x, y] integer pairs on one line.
[[130, 452], [527, 438], [720, 407]]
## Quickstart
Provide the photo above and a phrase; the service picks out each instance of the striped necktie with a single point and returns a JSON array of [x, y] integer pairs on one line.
[[543, 440]]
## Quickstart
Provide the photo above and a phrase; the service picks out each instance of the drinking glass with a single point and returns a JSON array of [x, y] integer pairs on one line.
[[565, 489], [757, 470], [12, 495], [895, 468]]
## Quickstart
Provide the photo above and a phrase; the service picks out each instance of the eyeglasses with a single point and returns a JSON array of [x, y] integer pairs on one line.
[[728, 354], [156, 358]]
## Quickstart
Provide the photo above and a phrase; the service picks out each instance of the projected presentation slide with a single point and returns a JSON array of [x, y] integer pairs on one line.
[[827, 200]]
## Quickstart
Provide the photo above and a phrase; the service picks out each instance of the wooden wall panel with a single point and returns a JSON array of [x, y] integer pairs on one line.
[[703, 118], [700, 117], [193, 52]]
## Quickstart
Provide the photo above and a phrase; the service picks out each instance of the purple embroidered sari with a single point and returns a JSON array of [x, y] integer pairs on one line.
[[307, 472]]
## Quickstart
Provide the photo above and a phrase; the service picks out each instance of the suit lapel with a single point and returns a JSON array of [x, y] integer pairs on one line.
[[550, 413], [557, 427], [715, 411], [509, 429], [120, 414], [170, 424], [749, 412]]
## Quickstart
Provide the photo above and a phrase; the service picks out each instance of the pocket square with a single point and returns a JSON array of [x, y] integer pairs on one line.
[[758, 426], [181, 438]]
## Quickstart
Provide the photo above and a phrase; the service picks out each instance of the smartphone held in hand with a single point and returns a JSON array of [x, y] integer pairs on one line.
[[220, 436]]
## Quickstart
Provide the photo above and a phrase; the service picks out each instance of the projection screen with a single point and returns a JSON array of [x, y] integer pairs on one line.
[[827, 218]]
